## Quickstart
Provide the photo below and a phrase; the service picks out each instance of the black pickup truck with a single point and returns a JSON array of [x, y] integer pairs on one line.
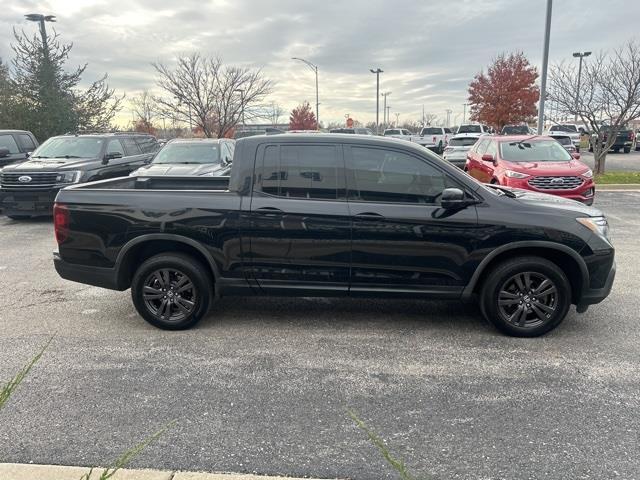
[[334, 215]]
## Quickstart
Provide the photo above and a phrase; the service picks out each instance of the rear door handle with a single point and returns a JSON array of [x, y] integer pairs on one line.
[[369, 216]]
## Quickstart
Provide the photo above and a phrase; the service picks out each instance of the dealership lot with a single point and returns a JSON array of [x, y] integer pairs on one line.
[[263, 384], [615, 162]]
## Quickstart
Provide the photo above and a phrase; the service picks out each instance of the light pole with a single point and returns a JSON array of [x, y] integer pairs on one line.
[[397, 119], [388, 113], [315, 69], [448, 117], [464, 112], [384, 109], [36, 17], [579, 55], [241, 103], [377, 72], [545, 63]]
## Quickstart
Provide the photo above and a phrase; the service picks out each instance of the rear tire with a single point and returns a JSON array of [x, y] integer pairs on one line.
[[526, 296], [627, 149], [172, 291]]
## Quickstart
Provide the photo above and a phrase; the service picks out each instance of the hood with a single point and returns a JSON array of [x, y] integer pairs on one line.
[[180, 169], [528, 197], [52, 164], [568, 168]]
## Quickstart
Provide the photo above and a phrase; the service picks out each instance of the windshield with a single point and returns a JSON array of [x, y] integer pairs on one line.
[[515, 130], [69, 147], [563, 140], [534, 151], [564, 128], [392, 132], [188, 153], [463, 142], [470, 129], [431, 131]]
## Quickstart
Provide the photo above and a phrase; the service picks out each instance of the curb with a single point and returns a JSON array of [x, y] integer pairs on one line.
[[617, 186], [21, 471]]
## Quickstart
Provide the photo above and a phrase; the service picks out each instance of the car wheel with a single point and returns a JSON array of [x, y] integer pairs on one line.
[[19, 217], [172, 291], [526, 296], [627, 149], [440, 148]]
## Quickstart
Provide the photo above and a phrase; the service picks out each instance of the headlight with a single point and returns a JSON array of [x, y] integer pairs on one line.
[[588, 174], [512, 174], [597, 225], [68, 177]]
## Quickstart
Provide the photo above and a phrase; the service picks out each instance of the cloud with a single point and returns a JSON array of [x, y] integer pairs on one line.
[[429, 51]]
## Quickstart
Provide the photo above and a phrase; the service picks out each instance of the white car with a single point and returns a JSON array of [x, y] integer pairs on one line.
[[435, 138], [400, 133], [472, 129], [456, 152], [569, 129]]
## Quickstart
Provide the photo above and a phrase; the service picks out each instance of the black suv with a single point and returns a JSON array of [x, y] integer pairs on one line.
[[29, 188], [16, 146]]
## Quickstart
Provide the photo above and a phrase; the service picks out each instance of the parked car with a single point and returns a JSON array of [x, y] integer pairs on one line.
[[335, 215], [566, 141], [624, 139], [536, 163], [637, 140], [399, 133], [516, 130], [28, 188], [16, 146], [209, 157], [356, 131], [574, 131], [435, 138], [456, 152], [472, 129]]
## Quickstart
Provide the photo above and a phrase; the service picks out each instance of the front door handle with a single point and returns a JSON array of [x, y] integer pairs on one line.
[[369, 216], [269, 210]]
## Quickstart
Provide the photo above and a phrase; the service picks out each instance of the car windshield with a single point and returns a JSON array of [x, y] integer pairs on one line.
[[470, 129], [533, 151], [69, 147], [431, 131], [563, 140], [515, 130], [188, 153], [392, 132], [463, 142], [564, 128]]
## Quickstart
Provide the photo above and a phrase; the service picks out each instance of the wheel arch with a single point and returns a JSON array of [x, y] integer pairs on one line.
[[136, 251], [565, 257]]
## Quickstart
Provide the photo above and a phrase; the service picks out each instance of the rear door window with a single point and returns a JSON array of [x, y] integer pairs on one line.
[[26, 142], [301, 171], [130, 146], [8, 142], [147, 144], [114, 146]]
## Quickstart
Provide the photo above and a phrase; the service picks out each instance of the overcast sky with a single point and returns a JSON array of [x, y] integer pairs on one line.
[[429, 50]]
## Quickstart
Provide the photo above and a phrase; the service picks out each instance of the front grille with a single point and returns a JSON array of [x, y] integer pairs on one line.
[[38, 179], [556, 183]]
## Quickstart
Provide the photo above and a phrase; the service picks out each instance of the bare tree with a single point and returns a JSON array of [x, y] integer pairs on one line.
[[609, 95], [430, 118], [145, 108], [214, 96], [275, 111]]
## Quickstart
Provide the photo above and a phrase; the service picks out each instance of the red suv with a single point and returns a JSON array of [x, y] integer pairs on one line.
[[534, 163]]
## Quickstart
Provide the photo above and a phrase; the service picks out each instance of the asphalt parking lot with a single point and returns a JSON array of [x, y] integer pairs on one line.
[[615, 162], [263, 384]]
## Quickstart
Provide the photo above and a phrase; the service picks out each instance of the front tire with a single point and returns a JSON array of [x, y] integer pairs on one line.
[[526, 296], [627, 149], [172, 291]]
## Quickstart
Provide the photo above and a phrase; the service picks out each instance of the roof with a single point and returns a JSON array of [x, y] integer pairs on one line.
[[16, 131], [199, 140], [518, 138]]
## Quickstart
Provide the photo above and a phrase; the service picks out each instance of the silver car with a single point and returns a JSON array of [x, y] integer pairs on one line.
[[456, 151]]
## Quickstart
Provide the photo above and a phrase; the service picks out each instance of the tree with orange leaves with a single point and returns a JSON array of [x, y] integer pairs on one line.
[[507, 94], [302, 118]]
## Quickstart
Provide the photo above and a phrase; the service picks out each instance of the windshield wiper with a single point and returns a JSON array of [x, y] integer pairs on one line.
[[502, 189], [521, 143], [39, 156], [67, 156]]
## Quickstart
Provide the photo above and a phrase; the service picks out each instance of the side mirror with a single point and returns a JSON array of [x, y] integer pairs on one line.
[[111, 156], [453, 198], [487, 157], [29, 154], [575, 155], [4, 152]]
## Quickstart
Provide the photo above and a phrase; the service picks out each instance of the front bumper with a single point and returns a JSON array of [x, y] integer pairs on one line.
[[592, 296], [89, 275], [28, 202]]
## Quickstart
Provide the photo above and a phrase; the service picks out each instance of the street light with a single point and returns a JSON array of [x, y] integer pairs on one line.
[[464, 112], [384, 109], [377, 72], [37, 17], [545, 63], [241, 90], [579, 55], [315, 69]]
